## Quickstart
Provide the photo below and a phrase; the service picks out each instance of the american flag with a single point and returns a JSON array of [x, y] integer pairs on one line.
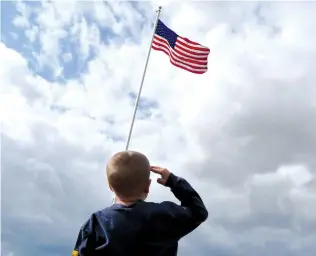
[[183, 53]]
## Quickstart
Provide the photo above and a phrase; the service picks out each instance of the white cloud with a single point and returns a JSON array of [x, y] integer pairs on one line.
[[243, 134], [22, 20], [298, 174], [67, 57], [32, 33]]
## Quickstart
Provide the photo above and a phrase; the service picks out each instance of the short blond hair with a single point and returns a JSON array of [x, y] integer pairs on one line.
[[128, 172]]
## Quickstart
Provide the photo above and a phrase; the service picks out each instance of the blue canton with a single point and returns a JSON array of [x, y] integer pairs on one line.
[[163, 31]]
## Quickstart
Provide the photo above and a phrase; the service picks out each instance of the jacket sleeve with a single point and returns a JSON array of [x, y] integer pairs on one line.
[[85, 242], [184, 218]]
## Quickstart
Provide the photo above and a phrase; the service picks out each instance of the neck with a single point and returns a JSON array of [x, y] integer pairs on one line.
[[126, 201]]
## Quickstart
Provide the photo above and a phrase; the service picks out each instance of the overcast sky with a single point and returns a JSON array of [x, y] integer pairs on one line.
[[243, 134]]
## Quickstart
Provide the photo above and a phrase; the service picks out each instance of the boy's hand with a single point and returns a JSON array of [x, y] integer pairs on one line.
[[164, 173]]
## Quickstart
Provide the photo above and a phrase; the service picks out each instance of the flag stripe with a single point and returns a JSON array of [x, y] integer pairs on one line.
[[201, 48], [173, 61], [168, 51], [180, 57], [190, 42], [187, 67], [190, 52], [195, 71], [183, 52]]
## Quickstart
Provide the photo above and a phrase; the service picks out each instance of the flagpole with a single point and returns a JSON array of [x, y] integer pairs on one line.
[[142, 82], [140, 88]]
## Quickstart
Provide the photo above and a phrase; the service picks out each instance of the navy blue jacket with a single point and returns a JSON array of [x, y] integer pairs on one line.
[[143, 228]]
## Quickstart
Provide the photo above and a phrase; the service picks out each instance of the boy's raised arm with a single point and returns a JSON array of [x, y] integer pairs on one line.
[[192, 211]]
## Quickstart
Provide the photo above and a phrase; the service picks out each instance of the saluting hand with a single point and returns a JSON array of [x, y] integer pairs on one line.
[[163, 172]]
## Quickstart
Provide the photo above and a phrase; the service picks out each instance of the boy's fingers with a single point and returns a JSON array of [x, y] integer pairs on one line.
[[160, 181], [156, 169]]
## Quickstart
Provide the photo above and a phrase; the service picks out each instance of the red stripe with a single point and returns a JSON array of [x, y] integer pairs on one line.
[[165, 44], [179, 46], [161, 39], [174, 57], [195, 72], [198, 47], [202, 70], [188, 41], [174, 60]]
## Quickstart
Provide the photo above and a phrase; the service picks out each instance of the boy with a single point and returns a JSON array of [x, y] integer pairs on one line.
[[132, 226]]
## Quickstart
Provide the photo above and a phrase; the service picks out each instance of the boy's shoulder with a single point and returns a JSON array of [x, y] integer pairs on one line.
[[145, 209], [141, 207], [95, 217]]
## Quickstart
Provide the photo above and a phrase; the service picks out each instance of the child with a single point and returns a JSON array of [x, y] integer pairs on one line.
[[132, 226]]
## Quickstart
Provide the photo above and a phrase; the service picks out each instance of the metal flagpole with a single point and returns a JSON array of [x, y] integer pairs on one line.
[[142, 82], [141, 87]]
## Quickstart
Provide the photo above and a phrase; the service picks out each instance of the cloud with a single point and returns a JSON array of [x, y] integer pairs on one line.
[[243, 134]]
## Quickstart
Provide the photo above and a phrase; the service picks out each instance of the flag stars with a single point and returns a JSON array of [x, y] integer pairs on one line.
[[163, 31]]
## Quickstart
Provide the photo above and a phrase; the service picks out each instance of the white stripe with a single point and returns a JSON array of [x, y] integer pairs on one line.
[[183, 65], [191, 51], [175, 57], [192, 69], [183, 53], [193, 45]]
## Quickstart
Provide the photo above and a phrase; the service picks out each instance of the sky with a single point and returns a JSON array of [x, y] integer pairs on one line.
[[243, 134]]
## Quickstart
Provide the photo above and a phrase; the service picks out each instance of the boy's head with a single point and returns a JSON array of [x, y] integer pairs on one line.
[[128, 174]]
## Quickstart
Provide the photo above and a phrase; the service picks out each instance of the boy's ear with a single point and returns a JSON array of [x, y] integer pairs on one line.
[[110, 187], [147, 187]]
